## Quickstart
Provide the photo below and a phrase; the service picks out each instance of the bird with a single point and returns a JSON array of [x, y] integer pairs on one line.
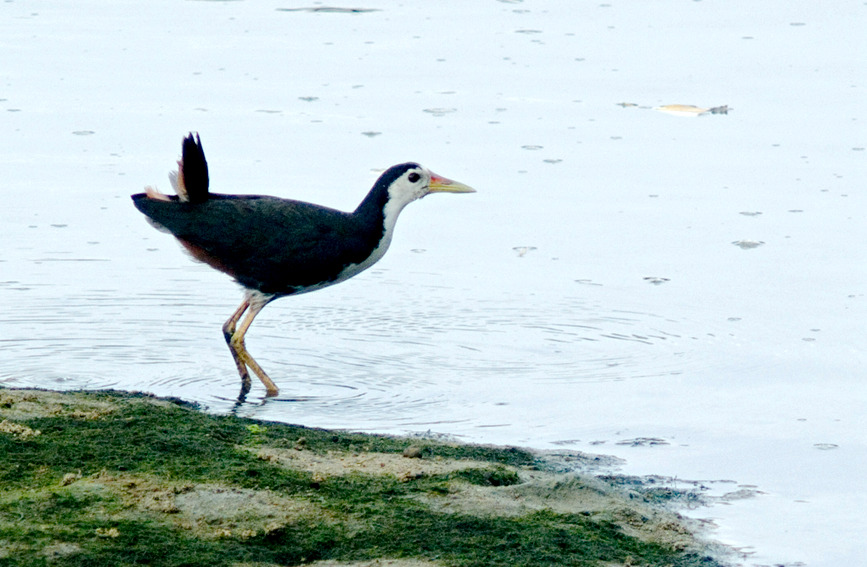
[[275, 247]]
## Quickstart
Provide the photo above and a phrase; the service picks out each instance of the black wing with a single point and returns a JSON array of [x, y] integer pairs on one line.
[[266, 243]]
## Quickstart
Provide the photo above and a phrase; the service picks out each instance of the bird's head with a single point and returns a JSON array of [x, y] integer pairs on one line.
[[410, 181], [400, 185]]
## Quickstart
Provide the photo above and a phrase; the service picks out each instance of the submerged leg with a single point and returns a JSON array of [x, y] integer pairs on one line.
[[235, 339], [228, 333]]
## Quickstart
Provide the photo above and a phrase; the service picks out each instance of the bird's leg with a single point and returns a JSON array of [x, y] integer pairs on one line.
[[228, 333], [239, 350]]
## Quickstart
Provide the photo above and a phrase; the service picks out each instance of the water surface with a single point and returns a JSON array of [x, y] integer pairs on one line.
[[684, 292]]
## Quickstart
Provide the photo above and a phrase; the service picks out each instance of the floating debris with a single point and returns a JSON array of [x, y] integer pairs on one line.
[[523, 250], [440, 111], [644, 442], [680, 109], [690, 110], [330, 9], [750, 213], [747, 244], [740, 494]]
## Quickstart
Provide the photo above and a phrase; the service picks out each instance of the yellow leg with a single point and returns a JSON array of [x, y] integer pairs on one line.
[[228, 333], [235, 339]]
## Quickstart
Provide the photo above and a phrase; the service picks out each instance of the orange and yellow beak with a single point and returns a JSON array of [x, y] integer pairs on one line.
[[443, 185]]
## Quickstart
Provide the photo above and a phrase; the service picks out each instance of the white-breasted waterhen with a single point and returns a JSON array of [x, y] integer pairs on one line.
[[277, 247]]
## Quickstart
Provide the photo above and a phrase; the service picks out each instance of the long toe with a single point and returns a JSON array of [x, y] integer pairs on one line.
[[245, 360], [270, 387]]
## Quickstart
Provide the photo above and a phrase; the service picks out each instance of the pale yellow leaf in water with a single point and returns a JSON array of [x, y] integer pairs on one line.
[[682, 109]]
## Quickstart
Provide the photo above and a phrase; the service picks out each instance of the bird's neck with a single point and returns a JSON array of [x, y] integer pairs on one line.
[[378, 214], [390, 212]]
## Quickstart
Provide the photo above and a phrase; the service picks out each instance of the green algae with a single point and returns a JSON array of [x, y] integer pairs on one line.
[[94, 479]]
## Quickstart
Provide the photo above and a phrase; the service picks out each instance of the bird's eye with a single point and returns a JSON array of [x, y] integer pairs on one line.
[[413, 177]]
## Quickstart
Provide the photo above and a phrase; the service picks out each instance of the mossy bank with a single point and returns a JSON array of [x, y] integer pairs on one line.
[[106, 478]]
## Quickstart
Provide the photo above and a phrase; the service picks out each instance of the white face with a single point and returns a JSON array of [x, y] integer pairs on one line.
[[413, 184]]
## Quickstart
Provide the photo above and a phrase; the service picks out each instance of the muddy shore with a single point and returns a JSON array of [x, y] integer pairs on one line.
[[111, 478]]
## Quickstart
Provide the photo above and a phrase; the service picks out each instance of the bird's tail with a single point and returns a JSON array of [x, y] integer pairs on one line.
[[191, 179]]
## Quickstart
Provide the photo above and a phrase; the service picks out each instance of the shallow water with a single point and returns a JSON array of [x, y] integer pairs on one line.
[[621, 274]]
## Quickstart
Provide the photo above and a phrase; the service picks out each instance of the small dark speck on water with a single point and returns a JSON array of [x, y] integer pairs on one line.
[[748, 244], [440, 111], [330, 10]]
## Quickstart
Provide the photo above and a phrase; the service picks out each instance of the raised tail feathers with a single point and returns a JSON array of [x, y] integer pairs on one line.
[[191, 180]]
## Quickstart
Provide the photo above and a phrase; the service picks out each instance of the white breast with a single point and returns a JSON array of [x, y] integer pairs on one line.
[[392, 210]]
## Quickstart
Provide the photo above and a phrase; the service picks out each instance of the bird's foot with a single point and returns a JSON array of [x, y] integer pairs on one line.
[[244, 360], [235, 339], [271, 389]]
